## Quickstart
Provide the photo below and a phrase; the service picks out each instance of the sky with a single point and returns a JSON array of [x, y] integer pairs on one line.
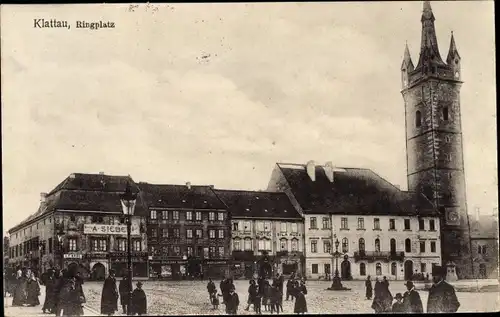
[[218, 93]]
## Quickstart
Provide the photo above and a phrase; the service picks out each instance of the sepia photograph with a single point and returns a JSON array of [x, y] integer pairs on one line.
[[249, 158]]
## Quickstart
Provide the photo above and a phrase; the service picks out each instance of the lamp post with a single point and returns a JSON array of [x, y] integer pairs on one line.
[[128, 200], [337, 284], [60, 236]]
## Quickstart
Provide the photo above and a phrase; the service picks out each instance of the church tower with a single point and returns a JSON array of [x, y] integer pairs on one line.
[[435, 165]]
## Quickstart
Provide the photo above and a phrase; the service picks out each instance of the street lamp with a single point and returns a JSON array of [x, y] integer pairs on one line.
[[128, 200], [337, 284]]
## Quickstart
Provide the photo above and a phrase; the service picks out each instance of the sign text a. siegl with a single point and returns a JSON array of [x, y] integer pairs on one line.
[[91, 228]]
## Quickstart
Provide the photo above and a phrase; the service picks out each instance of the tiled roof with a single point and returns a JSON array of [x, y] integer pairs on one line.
[[88, 193], [353, 191], [180, 196], [257, 204]]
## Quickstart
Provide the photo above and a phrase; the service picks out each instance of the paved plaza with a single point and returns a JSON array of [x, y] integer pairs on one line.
[[191, 297]]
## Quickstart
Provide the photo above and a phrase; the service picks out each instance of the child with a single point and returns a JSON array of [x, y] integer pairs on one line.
[[215, 300], [257, 302], [398, 306]]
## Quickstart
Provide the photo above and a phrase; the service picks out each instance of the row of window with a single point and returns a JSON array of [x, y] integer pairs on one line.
[[22, 233], [177, 250], [190, 233], [327, 246], [263, 226], [362, 268], [190, 215], [344, 224], [264, 244], [418, 116]]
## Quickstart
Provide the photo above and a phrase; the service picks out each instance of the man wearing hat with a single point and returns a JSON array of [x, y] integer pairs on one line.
[[139, 303], [442, 297], [398, 306], [412, 301]]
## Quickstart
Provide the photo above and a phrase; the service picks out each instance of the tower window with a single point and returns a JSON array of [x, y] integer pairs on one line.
[[447, 139], [447, 157], [418, 118], [445, 113]]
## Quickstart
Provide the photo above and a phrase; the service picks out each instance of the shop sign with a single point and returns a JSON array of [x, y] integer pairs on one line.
[[94, 255], [90, 228], [215, 262], [122, 260], [124, 254], [72, 256], [169, 262]]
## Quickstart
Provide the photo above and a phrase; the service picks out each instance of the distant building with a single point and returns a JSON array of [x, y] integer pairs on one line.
[[484, 241], [267, 232], [85, 213], [382, 231], [188, 231]]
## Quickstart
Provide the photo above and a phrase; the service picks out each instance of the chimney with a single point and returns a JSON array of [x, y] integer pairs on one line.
[[72, 175], [188, 185], [311, 170], [329, 170], [101, 173], [43, 197]]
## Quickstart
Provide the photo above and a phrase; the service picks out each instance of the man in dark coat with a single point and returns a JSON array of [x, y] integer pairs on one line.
[[252, 292], [19, 297], [124, 289], [289, 288], [109, 297], [139, 304], [369, 288], [233, 301], [59, 281], [398, 306], [300, 306], [442, 297], [211, 288], [411, 299]]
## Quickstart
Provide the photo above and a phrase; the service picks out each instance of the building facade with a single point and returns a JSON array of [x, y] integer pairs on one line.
[[81, 224], [431, 93], [267, 233], [484, 242], [381, 230], [188, 231]]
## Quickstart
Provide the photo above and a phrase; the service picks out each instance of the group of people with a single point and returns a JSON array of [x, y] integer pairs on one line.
[[260, 293], [111, 293], [442, 297], [24, 288]]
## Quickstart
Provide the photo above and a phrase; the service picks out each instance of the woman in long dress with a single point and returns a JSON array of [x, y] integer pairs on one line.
[[32, 291], [300, 299], [19, 298], [369, 289]]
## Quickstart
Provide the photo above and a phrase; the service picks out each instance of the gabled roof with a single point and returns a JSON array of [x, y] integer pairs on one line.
[[353, 191], [180, 196], [258, 204], [87, 193]]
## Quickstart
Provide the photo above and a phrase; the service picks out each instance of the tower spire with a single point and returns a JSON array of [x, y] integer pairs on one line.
[[452, 52], [429, 49], [407, 62]]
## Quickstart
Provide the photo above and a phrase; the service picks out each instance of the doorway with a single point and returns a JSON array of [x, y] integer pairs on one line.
[[98, 272], [408, 269], [345, 270]]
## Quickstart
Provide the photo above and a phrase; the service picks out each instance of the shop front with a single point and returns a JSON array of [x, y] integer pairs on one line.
[[161, 267], [119, 262], [289, 262], [76, 262], [216, 269], [244, 264], [98, 264]]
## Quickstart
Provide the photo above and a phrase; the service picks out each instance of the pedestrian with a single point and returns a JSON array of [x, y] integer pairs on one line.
[[300, 299], [257, 304], [211, 288], [71, 298], [59, 281], [369, 289], [252, 292], [124, 290], [109, 297], [223, 289], [385, 282], [32, 291], [289, 288], [377, 304], [214, 299], [20, 296], [442, 297], [266, 296], [139, 303], [275, 299], [233, 302], [398, 306], [386, 295], [411, 299]]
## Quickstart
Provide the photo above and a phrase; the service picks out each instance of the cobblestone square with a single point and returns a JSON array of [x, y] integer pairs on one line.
[[191, 297]]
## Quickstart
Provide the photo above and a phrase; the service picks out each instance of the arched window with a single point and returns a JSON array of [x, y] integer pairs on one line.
[[284, 245], [378, 269], [248, 244], [394, 268], [237, 244], [407, 245], [362, 269], [418, 119], [377, 245], [345, 245], [445, 113], [361, 243], [393, 245]]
